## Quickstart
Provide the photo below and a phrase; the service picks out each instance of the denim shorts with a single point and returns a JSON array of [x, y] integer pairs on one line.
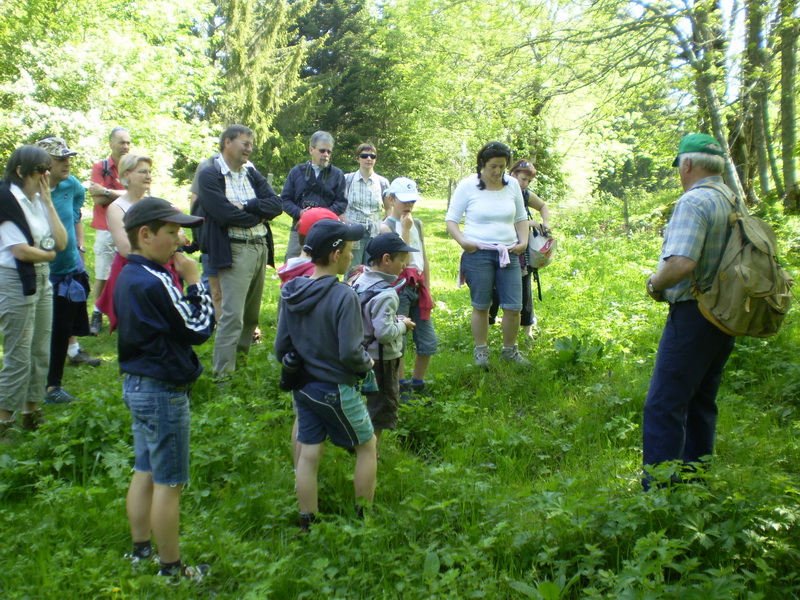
[[160, 412], [208, 270], [424, 335], [332, 410], [483, 273]]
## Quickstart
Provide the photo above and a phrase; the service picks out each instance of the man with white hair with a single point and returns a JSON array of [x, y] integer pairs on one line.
[[313, 184], [680, 412]]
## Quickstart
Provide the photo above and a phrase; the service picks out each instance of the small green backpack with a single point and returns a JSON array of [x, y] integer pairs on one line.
[[750, 294]]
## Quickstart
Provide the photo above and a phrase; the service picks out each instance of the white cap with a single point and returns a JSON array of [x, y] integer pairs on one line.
[[404, 189]]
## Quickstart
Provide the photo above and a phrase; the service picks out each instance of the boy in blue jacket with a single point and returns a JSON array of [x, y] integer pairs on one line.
[[158, 325]]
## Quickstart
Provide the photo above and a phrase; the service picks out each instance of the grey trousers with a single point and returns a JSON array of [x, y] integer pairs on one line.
[[293, 248], [26, 323], [242, 285]]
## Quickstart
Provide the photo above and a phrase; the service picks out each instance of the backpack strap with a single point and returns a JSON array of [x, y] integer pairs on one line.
[[738, 211]]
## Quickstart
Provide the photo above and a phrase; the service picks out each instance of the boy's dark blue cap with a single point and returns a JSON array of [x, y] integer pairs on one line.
[[386, 243], [151, 209], [328, 235]]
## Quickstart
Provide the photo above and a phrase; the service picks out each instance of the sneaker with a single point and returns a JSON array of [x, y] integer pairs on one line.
[[481, 356], [420, 390], [512, 355], [83, 358], [194, 574], [306, 520], [30, 421], [58, 396], [96, 325], [137, 560]]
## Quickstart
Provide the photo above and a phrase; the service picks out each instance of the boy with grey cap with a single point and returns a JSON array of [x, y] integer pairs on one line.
[[320, 324]]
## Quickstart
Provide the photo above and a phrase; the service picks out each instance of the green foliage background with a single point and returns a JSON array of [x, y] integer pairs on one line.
[[516, 483]]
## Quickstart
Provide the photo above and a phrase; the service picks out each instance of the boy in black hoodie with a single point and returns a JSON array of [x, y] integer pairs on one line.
[[320, 320]]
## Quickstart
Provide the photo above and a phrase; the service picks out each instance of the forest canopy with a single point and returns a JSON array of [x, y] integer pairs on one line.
[[596, 94]]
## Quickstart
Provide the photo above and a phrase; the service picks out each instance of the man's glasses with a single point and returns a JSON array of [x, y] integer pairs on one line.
[[324, 150], [41, 168], [368, 155]]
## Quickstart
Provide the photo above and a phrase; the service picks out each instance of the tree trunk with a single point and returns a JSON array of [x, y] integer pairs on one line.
[[699, 54], [756, 72], [788, 35], [773, 159]]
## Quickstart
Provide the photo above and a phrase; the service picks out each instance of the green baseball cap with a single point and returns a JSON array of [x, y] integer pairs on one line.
[[698, 142]]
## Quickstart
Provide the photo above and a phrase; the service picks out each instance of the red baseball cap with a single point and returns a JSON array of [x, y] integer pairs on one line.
[[311, 216]]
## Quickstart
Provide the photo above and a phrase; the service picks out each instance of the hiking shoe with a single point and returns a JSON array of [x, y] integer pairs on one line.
[[83, 358], [30, 421], [96, 325], [194, 574], [481, 355], [58, 396], [512, 355]]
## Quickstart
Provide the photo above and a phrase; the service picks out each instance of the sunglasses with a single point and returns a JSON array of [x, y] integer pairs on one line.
[[524, 164], [41, 168], [324, 150], [368, 155]]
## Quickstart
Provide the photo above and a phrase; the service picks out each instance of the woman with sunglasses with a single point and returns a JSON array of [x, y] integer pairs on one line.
[[495, 233], [524, 172], [364, 192], [30, 235]]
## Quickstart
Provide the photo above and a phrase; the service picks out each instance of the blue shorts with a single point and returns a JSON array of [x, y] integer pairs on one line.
[[331, 410], [208, 270], [483, 273], [160, 412], [424, 335]]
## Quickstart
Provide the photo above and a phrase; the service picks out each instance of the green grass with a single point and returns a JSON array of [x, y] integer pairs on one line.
[[516, 483]]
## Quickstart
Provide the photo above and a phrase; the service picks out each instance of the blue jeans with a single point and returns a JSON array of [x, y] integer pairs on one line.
[[360, 256], [483, 273], [424, 335], [680, 413], [161, 415]]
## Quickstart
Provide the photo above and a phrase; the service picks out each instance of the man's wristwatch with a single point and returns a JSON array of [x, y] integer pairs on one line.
[[106, 192], [650, 287], [82, 249]]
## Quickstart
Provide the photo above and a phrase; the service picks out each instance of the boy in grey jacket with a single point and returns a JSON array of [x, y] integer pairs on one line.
[[383, 328], [320, 321]]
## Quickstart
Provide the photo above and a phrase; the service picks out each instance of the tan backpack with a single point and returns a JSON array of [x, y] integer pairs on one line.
[[751, 292]]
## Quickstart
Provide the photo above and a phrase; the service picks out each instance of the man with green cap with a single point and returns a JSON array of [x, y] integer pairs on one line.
[[680, 413]]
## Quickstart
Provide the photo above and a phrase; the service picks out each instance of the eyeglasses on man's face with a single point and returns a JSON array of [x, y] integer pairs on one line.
[[368, 155]]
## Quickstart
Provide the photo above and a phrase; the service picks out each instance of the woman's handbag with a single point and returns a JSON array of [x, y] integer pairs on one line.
[[541, 249]]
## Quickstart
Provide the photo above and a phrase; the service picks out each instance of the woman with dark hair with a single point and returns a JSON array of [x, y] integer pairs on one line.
[[524, 172], [364, 192], [495, 226], [30, 235]]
